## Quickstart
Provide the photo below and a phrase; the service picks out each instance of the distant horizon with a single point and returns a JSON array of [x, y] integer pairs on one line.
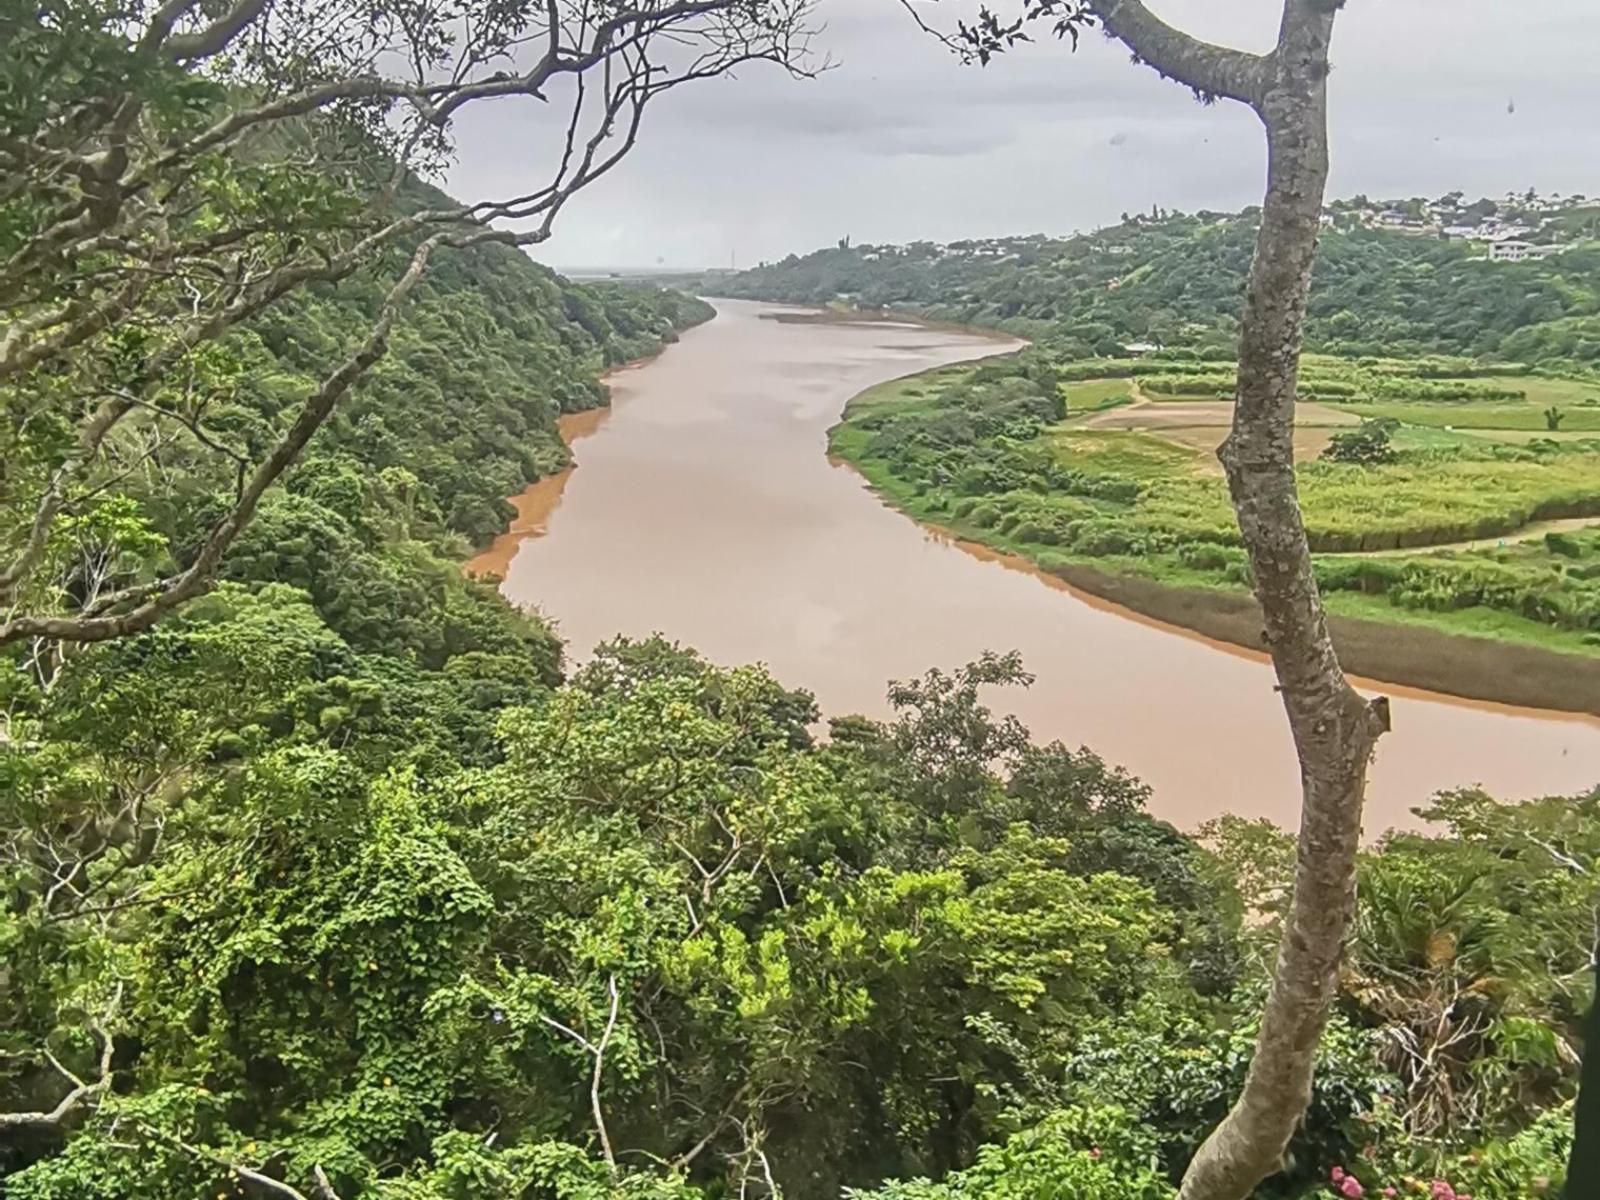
[[591, 270], [900, 142]]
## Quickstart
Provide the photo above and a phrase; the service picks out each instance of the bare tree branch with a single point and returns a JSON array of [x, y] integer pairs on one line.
[[1205, 68], [215, 37], [249, 1174], [81, 1091], [597, 1052], [199, 575]]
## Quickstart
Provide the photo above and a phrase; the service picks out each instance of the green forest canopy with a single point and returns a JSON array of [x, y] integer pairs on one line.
[[1177, 280]]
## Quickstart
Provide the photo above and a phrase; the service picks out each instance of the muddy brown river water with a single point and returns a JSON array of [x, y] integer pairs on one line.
[[705, 508]]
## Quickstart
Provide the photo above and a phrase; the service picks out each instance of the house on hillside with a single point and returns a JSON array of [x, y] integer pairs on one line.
[[1140, 349], [1510, 249]]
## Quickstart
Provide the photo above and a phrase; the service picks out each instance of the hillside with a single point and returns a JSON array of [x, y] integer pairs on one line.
[[408, 475], [1177, 280]]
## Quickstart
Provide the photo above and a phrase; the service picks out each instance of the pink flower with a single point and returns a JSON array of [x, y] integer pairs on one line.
[[1094, 1152], [1352, 1188], [1389, 1191], [1443, 1191], [1338, 1174]]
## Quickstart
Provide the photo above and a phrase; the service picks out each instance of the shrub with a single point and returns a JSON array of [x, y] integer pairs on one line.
[[1100, 538], [1563, 544], [1071, 1155], [1366, 445], [1208, 556]]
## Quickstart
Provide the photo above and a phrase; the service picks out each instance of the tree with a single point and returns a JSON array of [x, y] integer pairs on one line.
[[1367, 444], [171, 175], [1335, 730], [1583, 1174]]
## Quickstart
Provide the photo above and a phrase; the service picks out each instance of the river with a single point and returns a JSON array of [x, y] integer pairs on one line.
[[706, 509]]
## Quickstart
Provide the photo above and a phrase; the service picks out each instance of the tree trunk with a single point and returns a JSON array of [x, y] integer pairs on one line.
[[1334, 729], [1583, 1172]]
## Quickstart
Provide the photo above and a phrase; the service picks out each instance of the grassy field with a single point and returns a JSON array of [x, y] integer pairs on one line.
[[988, 453], [1096, 395]]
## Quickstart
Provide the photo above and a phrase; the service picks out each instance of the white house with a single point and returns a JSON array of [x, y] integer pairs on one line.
[[1517, 250]]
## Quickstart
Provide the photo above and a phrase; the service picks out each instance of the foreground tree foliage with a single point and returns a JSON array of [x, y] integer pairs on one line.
[[270, 926], [173, 172]]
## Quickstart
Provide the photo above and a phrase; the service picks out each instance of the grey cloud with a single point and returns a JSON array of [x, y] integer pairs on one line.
[[901, 142]]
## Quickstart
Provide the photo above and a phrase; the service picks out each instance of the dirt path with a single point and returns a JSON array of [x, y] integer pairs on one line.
[[1201, 425]]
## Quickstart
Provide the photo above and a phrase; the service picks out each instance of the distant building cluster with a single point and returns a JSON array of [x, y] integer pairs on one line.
[[1518, 227], [1515, 228]]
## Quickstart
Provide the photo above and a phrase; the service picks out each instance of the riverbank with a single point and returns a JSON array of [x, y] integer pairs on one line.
[[539, 499], [703, 511], [1474, 653], [1406, 655]]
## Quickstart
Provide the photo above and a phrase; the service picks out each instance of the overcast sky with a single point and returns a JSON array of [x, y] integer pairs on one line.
[[899, 142]]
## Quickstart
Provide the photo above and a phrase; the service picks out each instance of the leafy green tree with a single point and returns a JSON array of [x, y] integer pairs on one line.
[[1369, 444]]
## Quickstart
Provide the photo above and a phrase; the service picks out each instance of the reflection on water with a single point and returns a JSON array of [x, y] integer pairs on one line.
[[706, 509]]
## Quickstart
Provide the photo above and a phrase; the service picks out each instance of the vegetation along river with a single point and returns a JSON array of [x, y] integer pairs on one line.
[[706, 509]]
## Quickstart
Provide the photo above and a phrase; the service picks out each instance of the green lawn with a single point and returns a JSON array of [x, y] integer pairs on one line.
[[1578, 399], [1560, 392], [1122, 452], [1094, 394]]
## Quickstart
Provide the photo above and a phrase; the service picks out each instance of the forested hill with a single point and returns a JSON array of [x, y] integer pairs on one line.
[[1178, 281]]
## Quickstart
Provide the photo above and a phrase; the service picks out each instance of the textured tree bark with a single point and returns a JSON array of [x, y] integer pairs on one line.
[[1334, 729], [1583, 1171]]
